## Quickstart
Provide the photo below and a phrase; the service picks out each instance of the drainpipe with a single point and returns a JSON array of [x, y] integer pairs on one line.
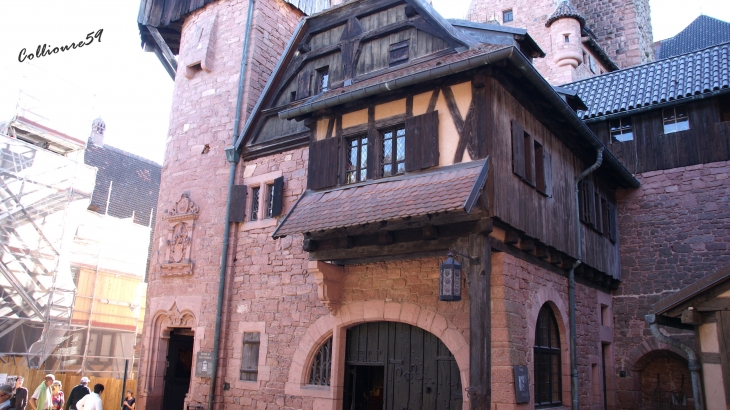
[[571, 284], [232, 155], [693, 363]]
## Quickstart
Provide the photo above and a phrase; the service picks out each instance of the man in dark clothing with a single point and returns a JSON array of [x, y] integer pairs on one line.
[[77, 394]]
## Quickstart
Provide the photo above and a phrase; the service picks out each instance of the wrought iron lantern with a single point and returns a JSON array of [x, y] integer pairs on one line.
[[450, 280]]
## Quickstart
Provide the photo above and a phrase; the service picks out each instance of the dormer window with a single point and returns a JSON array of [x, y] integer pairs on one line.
[[323, 79], [507, 16]]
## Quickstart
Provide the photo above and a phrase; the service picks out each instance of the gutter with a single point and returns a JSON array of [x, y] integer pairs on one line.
[[692, 361], [233, 157], [508, 53]]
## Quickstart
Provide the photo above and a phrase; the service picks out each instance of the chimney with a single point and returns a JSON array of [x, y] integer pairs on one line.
[[97, 132]]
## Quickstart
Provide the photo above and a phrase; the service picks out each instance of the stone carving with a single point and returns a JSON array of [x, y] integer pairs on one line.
[[177, 319], [329, 284], [181, 219]]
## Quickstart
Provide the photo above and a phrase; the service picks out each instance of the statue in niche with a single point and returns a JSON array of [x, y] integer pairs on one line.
[[181, 219]]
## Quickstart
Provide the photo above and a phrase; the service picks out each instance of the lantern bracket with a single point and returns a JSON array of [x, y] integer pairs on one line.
[[472, 260]]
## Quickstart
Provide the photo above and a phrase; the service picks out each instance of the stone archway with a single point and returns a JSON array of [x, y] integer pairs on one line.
[[664, 380]]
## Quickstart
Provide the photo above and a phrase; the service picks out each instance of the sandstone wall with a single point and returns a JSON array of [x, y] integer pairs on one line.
[[674, 230]]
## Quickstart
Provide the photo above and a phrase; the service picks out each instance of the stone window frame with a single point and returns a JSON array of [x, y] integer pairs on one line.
[[548, 351], [233, 369], [264, 182]]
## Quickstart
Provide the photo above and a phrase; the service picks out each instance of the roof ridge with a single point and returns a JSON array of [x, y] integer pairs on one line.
[[125, 153]]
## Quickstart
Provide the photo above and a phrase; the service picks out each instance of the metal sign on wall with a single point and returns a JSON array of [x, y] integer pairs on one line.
[[522, 384], [204, 364]]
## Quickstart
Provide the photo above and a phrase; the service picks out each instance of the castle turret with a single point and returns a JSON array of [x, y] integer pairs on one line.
[[566, 24]]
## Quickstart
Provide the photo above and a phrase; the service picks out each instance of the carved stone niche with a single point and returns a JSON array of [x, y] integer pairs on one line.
[[329, 284], [181, 220]]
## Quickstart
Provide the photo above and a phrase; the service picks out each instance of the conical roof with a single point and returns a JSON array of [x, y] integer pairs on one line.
[[565, 9]]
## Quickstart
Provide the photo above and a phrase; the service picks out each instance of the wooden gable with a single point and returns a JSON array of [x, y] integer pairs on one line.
[[340, 47]]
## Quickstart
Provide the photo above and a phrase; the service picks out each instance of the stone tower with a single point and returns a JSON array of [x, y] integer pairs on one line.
[[566, 26], [622, 28]]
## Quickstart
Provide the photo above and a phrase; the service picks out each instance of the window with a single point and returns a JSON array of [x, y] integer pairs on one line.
[[547, 360], [530, 160], [270, 200], [529, 154], [567, 38], [357, 160], [250, 359], [507, 16], [255, 196], [539, 167], [621, 130], [399, 52], [319, 374], [675, 119], [592, 64], [323, 79], [597, 211], [724, 105], [292, 96], [394, 151]]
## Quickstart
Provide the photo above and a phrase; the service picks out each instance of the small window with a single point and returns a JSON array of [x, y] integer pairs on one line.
[[566, 37], [399, 52], [394, 151], [250, 356], [255, 196], [548, 375], [319, 373], [323, 79], [357, 160], [621, 130], [675, 119], [592, 64], [270, 201], [507, 16], [292, 96], [540, 182], [724, 105]]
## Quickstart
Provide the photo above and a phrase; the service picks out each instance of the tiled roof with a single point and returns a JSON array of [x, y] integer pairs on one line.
[[135, 187], [565, 10], [440, 190], [679, 77], [703, 32]]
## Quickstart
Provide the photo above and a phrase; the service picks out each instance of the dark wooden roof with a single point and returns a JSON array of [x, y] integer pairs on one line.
[[693, 293], [671, 80], [565, 9], [703, 32], [437, 190]]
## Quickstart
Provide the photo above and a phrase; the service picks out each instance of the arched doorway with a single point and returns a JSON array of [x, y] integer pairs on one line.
[[665, 381], [394, 366]]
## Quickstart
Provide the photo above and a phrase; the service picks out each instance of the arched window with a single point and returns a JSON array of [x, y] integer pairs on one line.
[[319, 374], [547, 360]]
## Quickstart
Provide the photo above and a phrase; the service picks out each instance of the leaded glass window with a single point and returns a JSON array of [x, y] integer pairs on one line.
[[357, 160], [269, 200], [255, 194], [322, 365], [394, 151], [547, 360]]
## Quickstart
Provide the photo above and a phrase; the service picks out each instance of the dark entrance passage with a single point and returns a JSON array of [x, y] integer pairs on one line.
[[395, 366], [179, 367]]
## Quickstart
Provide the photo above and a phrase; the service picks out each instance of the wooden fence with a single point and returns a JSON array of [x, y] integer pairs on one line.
[[112, 387]]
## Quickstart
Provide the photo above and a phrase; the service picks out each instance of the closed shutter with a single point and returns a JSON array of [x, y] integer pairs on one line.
[[277, 197], [590, 204], [518, 149], [323, 163], [238, 203], [422, 142], [613, 220], [303, 84], [548, 172]]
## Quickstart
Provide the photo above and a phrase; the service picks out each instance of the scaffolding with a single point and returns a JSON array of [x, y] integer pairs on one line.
[[42, 196]]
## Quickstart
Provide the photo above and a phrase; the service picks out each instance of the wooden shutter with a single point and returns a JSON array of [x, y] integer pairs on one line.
[[303, 84], [277, 197], [590, 204], [613, 220], [323, 163], [518, 149], [548, 172], [422, 142], [250, 356], [238, 203]]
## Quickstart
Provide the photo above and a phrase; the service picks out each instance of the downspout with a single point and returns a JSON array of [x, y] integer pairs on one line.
[[571, 284], [693, 363], [233, 157]]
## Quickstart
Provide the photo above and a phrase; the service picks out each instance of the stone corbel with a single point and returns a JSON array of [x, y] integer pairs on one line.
[[329, 283]]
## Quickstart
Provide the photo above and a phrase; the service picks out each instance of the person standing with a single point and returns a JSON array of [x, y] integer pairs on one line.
[[77, 393], [20, 395], [91, 401], [129, 401], [6, 391], [42, 398], [57, 395]]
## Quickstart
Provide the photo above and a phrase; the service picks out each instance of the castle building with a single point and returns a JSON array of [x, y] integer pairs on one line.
[[364, 205]]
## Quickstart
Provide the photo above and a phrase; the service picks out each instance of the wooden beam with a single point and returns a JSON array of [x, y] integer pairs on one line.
[[376, 251], [555, 258], [527, 245], [385, 238], [309, 245], [511, 237], [541, 251], [429, 232]]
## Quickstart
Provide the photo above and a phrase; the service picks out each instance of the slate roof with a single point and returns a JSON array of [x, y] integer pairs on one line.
[[439, 190], [135, 187], [700, 72], [565, 10], [703, 32]]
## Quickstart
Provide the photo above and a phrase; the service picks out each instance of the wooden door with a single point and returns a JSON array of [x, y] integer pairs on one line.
[[418, 371], [179, 368]]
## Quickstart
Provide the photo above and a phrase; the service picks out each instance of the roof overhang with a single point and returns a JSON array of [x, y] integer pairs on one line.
[[38, 134], [694, 295]]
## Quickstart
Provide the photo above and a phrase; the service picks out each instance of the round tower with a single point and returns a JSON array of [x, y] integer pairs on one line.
[[566, 24]]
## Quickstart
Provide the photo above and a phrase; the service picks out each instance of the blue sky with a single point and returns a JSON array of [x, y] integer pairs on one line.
[[129, 88]]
